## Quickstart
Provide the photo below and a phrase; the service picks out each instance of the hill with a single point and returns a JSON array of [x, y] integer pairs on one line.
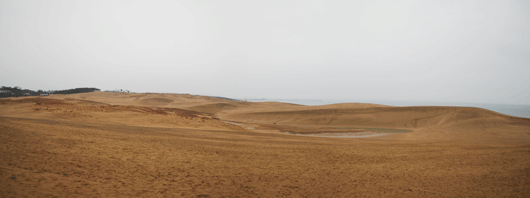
[[113, 144]]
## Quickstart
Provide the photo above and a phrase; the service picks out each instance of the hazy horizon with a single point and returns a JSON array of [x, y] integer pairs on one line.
[[436, 51], [375, 101]]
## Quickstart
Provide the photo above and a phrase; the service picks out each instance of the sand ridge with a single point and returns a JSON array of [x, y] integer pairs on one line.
[[105, 144]]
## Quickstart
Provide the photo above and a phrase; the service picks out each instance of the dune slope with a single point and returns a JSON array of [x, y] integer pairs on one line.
[[178, 145]]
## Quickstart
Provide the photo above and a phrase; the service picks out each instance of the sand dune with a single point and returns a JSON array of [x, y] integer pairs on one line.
[[213, 108], [98, 112], [106, 144], [156, 101], [468, 122], [427, 123]]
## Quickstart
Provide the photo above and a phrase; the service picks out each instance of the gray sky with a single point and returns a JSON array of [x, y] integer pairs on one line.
[[458, 51]]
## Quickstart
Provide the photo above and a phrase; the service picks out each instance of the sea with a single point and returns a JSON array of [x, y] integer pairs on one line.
[[522, 111]]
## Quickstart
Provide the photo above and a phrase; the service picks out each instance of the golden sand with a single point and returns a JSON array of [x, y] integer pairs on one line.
[[174, 145]]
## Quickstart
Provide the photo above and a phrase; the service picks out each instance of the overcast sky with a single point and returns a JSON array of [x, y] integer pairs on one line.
[[446, 51]]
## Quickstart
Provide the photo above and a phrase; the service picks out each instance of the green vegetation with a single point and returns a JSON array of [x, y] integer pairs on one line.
[[17, 91]]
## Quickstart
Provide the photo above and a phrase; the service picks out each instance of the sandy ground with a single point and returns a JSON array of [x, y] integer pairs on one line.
[[170, 145]]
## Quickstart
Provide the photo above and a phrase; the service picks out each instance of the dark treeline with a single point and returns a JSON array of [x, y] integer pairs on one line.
[[119, 90], [17, 91]]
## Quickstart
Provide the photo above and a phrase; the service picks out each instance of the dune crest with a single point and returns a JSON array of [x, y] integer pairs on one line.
[[426, 122], [105, 144]]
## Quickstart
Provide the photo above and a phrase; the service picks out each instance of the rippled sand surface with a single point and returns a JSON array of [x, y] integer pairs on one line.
[[170, 145]]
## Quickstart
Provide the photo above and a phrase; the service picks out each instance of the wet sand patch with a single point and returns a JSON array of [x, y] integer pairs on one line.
[[363, 134], [381, 130]]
